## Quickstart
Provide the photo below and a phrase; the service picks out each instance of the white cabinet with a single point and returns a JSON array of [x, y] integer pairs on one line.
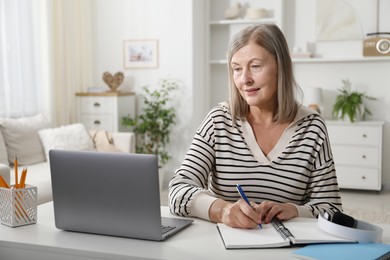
[[357, 153], [104, 111], [219, 31]]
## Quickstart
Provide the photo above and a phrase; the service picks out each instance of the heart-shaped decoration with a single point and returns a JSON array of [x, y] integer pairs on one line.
[[113, 81]]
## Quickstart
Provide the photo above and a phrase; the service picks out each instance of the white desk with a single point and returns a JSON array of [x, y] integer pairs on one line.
[[199, 241]]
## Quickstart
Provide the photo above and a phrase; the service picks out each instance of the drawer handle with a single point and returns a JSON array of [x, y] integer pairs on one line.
[[363, 177], [96, 104], [96, 122], [364, 156], [364, 136]]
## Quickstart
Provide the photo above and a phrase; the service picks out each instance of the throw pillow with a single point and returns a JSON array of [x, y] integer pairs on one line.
[[69, 137], [21, 138], [103, 141]]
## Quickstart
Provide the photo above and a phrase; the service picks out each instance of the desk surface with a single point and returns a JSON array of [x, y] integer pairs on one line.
[[199, 241]]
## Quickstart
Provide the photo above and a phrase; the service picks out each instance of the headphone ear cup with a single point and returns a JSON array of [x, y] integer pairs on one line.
[[344, 220]]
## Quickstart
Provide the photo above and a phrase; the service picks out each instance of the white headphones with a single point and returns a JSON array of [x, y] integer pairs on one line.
[[347, 227]]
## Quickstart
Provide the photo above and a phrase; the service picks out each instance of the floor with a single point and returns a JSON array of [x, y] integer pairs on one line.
[[370, 206]]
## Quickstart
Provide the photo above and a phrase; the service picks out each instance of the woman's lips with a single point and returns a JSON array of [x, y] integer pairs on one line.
[[252, 90]]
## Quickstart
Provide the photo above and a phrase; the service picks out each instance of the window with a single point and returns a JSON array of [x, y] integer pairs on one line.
[[21, 62]]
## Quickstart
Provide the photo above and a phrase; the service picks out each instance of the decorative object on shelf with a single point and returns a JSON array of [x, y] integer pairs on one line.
[[140, 54], [314, 98], [351, 19], [153, 126], [233, 12], [113, 81], [309, 51], [376, 46], [256, 13], [350, 103]]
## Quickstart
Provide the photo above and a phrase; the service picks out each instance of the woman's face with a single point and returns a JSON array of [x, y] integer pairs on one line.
[[255, 74]]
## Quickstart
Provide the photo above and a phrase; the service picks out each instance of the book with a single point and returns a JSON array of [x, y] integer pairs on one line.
[[344, 251], [296, 231]]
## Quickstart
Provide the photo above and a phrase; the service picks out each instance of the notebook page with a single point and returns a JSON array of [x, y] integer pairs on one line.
[[266, 237], [306, 231]]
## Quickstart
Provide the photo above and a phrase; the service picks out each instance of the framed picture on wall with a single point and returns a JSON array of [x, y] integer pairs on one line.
[[140, 54]]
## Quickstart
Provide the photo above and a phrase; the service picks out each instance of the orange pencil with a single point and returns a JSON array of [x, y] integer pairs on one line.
[[23, 179], [3, 183], [16, 171]]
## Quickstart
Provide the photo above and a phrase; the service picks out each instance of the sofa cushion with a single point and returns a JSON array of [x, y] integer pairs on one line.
[[21, 138], [69, 137], [3, 151]]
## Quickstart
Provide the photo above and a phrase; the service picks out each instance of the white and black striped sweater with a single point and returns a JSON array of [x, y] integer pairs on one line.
[[299, 170]]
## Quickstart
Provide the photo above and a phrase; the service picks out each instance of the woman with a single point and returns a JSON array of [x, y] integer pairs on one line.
[[264, 140]]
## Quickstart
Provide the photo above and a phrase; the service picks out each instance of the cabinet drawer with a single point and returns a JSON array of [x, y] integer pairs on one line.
[[358, 178], [362, 135], [97, 105], [98, 122], [356, 155]]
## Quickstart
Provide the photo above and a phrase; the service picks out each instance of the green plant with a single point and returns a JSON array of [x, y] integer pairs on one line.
[[350, 103], [153, 126]]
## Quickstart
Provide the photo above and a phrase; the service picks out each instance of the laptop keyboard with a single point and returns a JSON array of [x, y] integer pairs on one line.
[[166, 229]]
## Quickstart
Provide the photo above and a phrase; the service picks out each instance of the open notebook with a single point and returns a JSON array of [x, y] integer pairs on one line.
[[277, 234]]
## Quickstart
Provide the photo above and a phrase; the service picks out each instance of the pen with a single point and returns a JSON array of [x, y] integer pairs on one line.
[[244, 197]]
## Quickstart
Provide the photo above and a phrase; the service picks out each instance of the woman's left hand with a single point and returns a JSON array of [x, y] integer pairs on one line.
[[269, 209]]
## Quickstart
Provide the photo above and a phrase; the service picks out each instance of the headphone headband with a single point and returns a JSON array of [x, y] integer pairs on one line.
[[364, 232]]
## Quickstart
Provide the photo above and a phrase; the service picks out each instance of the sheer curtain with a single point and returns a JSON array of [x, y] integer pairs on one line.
[[21, 62], [70, 40], [45, 57]]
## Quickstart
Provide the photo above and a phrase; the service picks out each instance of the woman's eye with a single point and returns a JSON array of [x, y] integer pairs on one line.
[[255, 67], [236, 69]]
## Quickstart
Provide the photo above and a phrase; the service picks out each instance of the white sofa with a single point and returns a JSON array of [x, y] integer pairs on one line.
[[39, 172]]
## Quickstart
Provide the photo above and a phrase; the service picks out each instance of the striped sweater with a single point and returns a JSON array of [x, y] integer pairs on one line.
[[299, 169]]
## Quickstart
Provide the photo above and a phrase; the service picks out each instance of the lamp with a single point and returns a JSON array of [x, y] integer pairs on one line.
[[314, 98]]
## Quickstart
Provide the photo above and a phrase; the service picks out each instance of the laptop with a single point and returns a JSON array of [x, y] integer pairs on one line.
[[115, 194]]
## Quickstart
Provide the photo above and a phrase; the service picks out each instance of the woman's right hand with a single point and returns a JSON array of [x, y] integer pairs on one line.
[[237, 215]]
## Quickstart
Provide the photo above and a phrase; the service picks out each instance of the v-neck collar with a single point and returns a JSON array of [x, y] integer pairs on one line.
[[280, 145]]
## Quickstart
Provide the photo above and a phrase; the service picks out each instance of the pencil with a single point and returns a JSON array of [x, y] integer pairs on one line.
[[3, 183], [16, 171], [22, 183]]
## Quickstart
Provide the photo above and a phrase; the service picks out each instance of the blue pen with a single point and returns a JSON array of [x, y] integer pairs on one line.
[[244, 197]]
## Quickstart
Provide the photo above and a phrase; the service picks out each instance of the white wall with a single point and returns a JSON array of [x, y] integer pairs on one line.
[[171, 22]]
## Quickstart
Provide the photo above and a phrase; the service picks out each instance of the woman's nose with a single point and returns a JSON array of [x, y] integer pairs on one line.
[[246, 77]]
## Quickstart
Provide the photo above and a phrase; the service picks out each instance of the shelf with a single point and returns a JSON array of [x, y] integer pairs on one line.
[[242, 21], [340, 59], [218, 33]]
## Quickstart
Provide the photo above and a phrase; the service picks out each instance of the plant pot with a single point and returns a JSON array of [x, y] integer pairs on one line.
[[359, 115]]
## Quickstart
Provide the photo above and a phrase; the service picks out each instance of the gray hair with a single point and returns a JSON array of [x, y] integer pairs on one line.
[[271, 38]]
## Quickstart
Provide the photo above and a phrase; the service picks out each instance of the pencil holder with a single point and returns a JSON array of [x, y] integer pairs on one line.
[[18, 207]]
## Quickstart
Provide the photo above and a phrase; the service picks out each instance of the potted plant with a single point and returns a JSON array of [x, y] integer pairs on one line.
[[350, 103], [153, 126]]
